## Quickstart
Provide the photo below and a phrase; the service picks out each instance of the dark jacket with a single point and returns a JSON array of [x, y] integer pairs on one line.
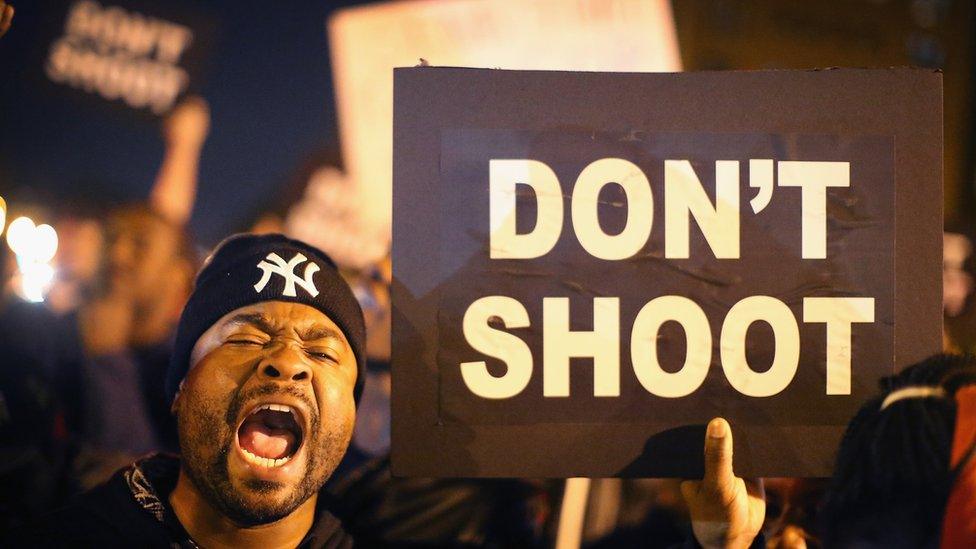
[[132, 510]]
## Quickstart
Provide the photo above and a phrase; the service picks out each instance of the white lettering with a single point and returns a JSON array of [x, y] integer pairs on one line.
[[498, 344], [814, 178], [786, 354], [838, 313], [559, 344], [683, 194], [504, 175], [643, 346], [640, 208]]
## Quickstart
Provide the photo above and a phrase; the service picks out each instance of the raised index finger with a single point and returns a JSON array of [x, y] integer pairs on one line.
[[718, 454]]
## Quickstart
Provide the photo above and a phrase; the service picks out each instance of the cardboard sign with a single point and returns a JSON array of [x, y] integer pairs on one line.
[[588, 266]]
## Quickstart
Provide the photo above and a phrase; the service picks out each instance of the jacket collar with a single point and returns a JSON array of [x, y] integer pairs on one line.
[[151, 479]]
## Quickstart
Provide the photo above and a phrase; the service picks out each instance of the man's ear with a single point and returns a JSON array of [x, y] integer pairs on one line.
[[175, 406]]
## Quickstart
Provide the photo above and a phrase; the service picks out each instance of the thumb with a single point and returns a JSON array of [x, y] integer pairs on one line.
[[718, 455], [792, 538]]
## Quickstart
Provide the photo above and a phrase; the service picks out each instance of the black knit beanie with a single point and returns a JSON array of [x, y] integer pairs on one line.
[[247, 269]]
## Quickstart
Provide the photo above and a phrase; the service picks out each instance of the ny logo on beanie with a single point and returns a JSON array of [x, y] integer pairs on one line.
[[287, 270]]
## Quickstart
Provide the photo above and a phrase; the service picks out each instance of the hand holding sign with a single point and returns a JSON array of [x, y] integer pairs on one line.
[[726, 511]]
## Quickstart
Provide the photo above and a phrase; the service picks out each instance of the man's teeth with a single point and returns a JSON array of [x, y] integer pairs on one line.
[[263, 461], [274, 408]]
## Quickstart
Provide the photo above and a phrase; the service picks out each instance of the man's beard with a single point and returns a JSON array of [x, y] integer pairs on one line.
[[212, 477]]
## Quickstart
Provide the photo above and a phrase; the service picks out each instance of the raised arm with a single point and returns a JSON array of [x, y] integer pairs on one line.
[[175, 189]]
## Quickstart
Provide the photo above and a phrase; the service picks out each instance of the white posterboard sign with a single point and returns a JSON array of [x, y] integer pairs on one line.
[[367, 42]]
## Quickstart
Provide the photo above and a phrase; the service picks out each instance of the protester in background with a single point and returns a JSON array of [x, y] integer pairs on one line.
[[126, 326], [80, 229], [792, 508], [894, 474], [272, 215], [371, 438], [959, 319], [126, 333], [330, 215], [957, 283], [81, 239], [103, 353]]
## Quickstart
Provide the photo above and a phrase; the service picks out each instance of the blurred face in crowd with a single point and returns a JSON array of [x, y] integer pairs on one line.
[[79, 253], [266, 411], [141, 249], [372, 290], [78, 258]]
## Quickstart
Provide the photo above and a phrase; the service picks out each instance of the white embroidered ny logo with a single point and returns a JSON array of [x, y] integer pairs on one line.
[[287, 270]]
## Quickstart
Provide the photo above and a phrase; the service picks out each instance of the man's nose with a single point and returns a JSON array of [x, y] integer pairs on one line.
[[286, 362]]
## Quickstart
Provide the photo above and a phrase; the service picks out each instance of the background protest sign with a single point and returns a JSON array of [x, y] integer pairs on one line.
[[132, 58], [590, 266], [473, 33]]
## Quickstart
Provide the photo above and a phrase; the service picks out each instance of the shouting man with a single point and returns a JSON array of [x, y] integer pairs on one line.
[[264, 379]]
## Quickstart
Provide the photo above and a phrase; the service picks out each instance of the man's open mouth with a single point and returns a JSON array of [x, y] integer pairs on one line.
[[270, 435]]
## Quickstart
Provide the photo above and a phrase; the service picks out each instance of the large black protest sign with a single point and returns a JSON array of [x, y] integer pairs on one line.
[[588, 267]]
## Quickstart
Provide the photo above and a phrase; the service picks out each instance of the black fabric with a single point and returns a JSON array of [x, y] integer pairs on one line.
[[116, 415], [383, 510], [35, 442], [153, 364], [230, 280], [132, 510]]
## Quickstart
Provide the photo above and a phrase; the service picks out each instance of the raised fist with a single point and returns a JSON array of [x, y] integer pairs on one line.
[[188, 123]]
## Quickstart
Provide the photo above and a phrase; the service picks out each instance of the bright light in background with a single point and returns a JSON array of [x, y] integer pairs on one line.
[[3, 214], [36, 280], [45, 243], [35, 247], [20, 233]]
